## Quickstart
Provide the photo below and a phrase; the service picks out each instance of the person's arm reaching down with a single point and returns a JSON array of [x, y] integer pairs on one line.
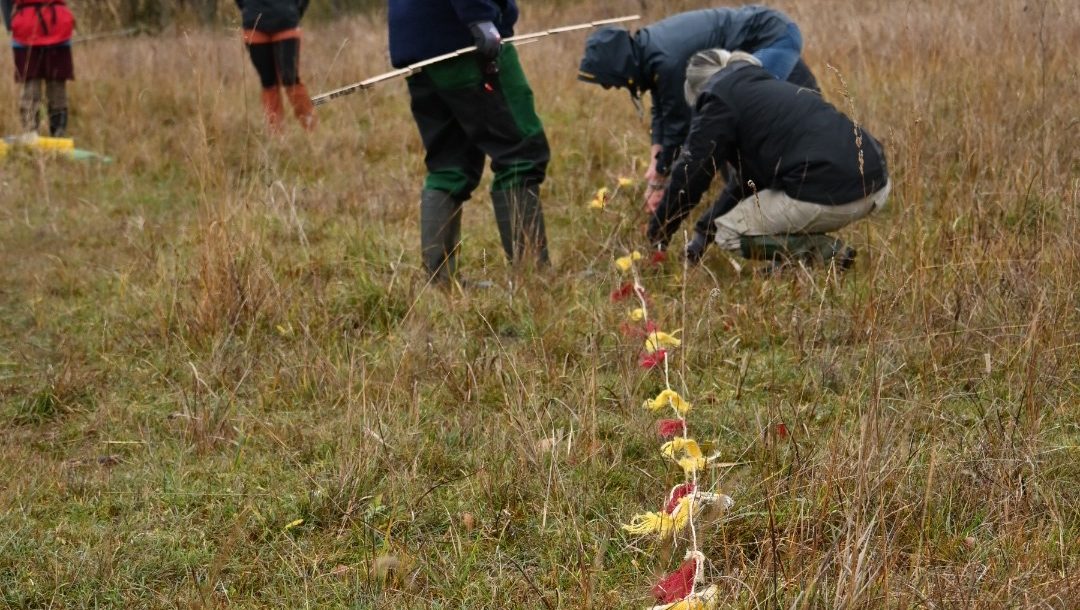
[[711, 139]]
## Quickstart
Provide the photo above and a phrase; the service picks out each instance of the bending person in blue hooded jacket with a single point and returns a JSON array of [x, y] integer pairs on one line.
[[474, 106], [654, 59]]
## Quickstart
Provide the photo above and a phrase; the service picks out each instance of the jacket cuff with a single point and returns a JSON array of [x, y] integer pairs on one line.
[[666, 158]]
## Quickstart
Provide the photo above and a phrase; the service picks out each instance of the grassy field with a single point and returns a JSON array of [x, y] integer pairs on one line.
[[221, 333]]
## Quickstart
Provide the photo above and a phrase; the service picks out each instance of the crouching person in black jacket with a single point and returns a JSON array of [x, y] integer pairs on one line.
[[803, 168]]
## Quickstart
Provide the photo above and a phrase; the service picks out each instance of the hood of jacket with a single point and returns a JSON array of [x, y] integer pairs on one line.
[[611, 59]]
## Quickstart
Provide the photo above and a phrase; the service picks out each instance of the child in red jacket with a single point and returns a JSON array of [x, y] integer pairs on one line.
[[41, 40]]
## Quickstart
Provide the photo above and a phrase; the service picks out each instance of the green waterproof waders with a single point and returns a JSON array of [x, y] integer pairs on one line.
[[466, 111]]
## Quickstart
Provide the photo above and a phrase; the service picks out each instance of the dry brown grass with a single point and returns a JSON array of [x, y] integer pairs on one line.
[[221, 333]]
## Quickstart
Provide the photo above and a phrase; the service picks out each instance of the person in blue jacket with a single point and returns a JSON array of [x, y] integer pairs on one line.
[[654, 59], [474, 106]]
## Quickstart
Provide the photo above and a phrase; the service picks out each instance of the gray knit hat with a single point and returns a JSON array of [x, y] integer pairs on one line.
[[705, 64]]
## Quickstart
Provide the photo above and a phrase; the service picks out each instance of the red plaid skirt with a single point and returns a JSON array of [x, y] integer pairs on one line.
[[49, 63]]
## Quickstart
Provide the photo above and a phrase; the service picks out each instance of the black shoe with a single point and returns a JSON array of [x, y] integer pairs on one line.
[[845, 259], [58, 120]]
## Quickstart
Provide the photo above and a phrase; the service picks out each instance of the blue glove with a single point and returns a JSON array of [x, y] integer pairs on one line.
[[488, 40]]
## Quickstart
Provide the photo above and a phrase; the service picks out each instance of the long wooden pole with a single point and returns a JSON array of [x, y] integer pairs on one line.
[[322, 98], [101, 35]]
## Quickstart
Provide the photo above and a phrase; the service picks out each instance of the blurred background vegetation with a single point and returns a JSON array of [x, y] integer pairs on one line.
[[152, 15], [96, 15]]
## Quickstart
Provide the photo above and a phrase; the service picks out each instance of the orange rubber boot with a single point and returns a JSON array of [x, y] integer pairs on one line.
[[273, 108], [302, 106]]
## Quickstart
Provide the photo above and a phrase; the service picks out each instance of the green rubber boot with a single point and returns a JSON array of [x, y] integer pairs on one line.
[[811, 249], [440, 234], [520, 218]]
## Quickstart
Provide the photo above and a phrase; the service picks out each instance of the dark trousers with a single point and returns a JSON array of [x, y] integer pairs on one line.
[[56, 103], [465, 113], [278, 63]]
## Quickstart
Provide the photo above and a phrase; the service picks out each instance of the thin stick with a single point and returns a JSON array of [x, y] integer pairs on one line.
[[101, 35], [322, 98]]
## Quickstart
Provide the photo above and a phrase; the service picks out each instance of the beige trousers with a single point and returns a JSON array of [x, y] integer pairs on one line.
[[772, 212]]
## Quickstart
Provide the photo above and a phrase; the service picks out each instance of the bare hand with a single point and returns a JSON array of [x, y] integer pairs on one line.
[[655, 181], [653, 197]]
